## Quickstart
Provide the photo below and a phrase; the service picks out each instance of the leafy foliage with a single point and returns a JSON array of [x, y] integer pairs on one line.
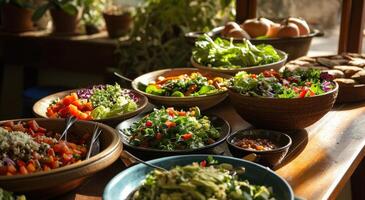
[[71, 7], [157, 40], [93, 10]]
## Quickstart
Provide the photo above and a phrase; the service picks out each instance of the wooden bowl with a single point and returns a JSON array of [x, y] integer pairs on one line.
[[283, 114], [203, 102], [254, 69], [42, 185], [349, 94], [151, 153], [270, 158], [40, 107]]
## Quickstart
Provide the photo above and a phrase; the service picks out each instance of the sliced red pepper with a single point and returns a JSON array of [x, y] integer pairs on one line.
[[23, 170], [33, 125], [303, 93]]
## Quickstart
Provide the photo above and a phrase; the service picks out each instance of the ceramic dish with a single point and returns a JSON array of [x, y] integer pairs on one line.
[[58, 181], [269, 158], [203, 102], [125, 183], [253, 69], [40, 107], [150, 153], [280, 113]]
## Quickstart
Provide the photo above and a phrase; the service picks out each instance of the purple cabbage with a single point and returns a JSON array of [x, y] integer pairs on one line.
[[327, 86], [86, 93]]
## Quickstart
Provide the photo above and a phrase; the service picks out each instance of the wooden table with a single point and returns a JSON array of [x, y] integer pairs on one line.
[[321, 160]]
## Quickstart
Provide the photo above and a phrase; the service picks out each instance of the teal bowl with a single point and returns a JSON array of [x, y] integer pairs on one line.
[[126, 182]]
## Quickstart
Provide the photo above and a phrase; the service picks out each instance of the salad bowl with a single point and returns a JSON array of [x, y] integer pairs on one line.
[[40, 107], [127, 182], [60, 180], [149, 153], [202, 101], [282, 113]]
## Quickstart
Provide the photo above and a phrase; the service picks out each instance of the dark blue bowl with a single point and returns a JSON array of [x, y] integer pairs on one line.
[[126, 182]]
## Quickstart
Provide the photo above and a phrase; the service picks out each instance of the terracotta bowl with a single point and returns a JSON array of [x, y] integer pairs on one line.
[[254, 69], [283, 114], [40, 107], [58, 181], [203, 102]]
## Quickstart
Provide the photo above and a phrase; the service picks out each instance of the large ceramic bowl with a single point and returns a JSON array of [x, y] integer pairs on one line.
[[40, 107], [125, 183], [283, 114], [150, 153], [57, 181], [251, 69], [203, 102]]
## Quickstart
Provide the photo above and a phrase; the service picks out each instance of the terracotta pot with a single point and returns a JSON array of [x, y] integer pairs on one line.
[[64, 23], [117, 25], [16, 19]]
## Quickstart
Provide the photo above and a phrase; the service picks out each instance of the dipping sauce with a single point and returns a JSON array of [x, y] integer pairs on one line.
[[257, 144]]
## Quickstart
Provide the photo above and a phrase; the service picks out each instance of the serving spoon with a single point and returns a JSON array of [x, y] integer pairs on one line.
[[127, 154], [140, 85]]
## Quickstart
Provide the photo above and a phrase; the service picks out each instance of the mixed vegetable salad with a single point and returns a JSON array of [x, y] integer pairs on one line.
[[220, 53], [97, 102], [170, 129], [6, 195], [27, 148], [183, 85], [205, 180], [286, 84]]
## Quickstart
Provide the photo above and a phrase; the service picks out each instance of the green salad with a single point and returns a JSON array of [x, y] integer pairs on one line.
[[170, 129], [200, 181], [220, 53], [5, 195], [183, 85], [286, 84]]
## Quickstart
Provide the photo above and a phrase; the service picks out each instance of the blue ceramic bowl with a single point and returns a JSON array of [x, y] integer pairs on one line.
[[125, 183]]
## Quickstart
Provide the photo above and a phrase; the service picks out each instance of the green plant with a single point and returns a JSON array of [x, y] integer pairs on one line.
[[158, 37], [93, 12], [19, 3], [71, 7]]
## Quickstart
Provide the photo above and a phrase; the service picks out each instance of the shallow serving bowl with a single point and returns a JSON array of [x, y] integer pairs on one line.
[[150, 153], [58, 181], [122, 186], [270, 158], [252, 69], [203, 102], [283, 114], [40, 107]]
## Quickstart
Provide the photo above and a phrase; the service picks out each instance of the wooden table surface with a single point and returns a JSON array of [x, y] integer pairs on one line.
[[321, 160]]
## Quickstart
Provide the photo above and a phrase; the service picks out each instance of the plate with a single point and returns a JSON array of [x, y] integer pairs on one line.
[[126, 182], [40, 107], [203, 102]]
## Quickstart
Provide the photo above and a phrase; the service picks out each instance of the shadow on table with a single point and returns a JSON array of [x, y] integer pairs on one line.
[[299, 142]]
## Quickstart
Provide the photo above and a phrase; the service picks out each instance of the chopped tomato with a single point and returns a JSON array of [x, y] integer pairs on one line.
[[30, 167], [149, 123], [88, 106], [182, 113], [67, 100], [187, 136], [11, 169], [253, 76], [170, 111], [23, 170], [170, 124], [33, 125], [303, 93], [79, 104], [158, 136], [20, 163], [203, 163]]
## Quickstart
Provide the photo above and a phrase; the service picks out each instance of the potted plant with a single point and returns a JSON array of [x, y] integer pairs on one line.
[[17, 15], [66, 15], [118, 20], [92, 16]]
